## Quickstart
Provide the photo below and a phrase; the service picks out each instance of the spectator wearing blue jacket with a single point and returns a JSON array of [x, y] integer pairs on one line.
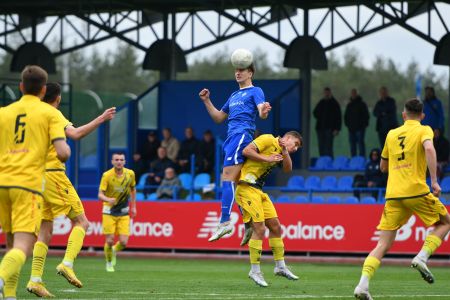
[[432, 108]]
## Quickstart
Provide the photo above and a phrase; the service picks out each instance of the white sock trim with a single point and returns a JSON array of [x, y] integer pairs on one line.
[[256, 268], [36, 279], [280, 263]]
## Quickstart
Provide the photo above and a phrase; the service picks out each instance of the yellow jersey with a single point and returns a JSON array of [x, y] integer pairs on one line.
[[27, 128], [407, 162], [253, 172], [53, 163], [118, 187]]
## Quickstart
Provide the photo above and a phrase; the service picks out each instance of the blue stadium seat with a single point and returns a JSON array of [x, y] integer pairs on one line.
[[317, 200], [382, 200], [312, 183], [328, 183], [334, 200], [322, 163], [368, 200], [152, 196], [284, 199], [201, 180], [350, 200], [356, 163], [195, 197], [445, 184], [296, 182], [339, 163], [186, 180], [141, 184], [140, 196], [345, 183], [301, 199]]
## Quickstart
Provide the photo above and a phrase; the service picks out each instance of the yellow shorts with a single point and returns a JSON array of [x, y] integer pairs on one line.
[[60, 197], [397, 212], [256, 204], [20, 210], [116, 225]]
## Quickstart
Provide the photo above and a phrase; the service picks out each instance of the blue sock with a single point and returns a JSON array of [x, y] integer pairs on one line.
[[227, 200]]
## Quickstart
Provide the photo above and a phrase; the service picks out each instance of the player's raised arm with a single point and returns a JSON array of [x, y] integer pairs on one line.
[[76, 133], [218, 116], [430, 155], [287, 161], [264, 109]]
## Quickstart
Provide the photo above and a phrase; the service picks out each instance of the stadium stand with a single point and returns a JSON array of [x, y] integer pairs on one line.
[[368, 200], [201, 180], [339, 163], [317, 200], [312, 183], [345, 183], [328, 183], [350, 200], [322, 163], [186, 180], [334, 200]]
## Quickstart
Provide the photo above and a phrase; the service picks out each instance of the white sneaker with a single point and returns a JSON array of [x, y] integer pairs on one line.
[[421, 266], [362, 294], [109, 267], [258, 278], [222, 229], [285, 272]]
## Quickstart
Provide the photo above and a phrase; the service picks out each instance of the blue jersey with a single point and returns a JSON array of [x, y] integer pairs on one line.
[[242, 109]]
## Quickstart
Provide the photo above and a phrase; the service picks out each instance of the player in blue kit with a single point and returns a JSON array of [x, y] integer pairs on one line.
[[240, 110]]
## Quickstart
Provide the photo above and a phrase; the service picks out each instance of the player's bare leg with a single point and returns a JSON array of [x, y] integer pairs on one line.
[[255, 249], [372, 262], [230, 175], [35, 285], [432, 242], [74, 244], [119, 246], [109, 243], [277, 246]]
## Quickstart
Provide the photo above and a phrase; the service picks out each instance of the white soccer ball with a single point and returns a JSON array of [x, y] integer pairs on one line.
[[241, 58]]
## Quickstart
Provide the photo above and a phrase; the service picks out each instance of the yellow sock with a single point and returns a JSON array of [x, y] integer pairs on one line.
[[39, 255], [255, 248], [371, 264], [432, 242], [10, 288], [74, 244], [108, 252], [118, 247], [277, 246], [11, 264]]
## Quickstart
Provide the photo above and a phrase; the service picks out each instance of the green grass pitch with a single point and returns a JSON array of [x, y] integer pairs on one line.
[[224, 279]]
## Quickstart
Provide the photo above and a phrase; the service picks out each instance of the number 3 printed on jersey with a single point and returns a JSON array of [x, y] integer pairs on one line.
[[402, 145], [19, 131]]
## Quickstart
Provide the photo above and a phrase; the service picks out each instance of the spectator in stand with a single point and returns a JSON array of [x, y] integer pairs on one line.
[[169, 185], [373, 177], [171, 144], [146, 154], [207, 152], [356, 118], [386, 113], [189, 146], [329, 119], [157, 169], [442, 147], [432, 108]]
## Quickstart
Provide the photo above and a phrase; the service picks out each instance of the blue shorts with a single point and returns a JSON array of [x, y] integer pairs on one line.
[[233, 147]]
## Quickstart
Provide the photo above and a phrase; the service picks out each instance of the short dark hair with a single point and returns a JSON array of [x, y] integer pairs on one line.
[[414, 106], [52, 92], [118, 153], [295, 134], [34, 79], [327, 89], [252, 68]]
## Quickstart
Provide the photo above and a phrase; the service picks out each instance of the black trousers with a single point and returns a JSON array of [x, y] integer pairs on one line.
[[325, 138]]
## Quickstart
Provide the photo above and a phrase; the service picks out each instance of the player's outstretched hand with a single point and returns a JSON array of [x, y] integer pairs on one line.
[[109, 114], [436, 189], [274, 158], [204, 94]]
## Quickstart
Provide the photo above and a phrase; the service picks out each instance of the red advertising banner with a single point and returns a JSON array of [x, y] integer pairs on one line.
[[306, 227]]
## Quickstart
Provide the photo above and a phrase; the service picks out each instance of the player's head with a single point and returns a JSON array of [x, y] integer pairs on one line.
[[413, 110], [33, 81], [53, 94], [244, 76], [118, 160], [293, 141]]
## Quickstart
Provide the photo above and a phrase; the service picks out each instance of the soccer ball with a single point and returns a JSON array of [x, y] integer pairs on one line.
[[241, 58]]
